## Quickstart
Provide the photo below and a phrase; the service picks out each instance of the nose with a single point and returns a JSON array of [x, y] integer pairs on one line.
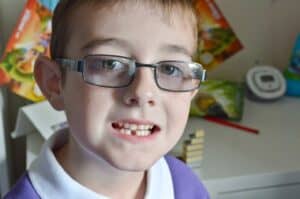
[[142, 90]]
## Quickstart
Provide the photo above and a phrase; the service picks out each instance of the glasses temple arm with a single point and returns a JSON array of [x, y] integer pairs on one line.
[[74, 65], [204, 75]]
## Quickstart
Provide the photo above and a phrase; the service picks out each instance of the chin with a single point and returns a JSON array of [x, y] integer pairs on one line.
[[131, 168], [133, 164]]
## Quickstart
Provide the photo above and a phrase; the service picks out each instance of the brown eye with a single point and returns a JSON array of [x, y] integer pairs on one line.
[[112, 65], [171, 70]]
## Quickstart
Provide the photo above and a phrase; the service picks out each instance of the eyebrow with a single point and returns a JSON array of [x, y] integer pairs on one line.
[[107, 41], [177, 49], [174, 48]]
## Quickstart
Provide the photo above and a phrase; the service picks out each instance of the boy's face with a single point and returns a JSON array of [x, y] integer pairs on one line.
[[143, 33]]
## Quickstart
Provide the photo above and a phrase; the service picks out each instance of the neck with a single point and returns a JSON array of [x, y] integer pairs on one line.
[[99, 176]]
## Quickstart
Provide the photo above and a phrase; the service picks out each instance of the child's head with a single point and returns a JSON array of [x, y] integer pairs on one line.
[[62, 22], [122, 114]]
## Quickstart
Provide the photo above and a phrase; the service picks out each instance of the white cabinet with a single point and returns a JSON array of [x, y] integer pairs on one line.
[[277, 192], [257, 186]]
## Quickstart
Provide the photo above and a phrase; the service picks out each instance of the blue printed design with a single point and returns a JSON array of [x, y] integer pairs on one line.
[[50, 4]]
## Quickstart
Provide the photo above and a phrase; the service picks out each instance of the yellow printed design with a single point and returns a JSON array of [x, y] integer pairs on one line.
[[30, 38]]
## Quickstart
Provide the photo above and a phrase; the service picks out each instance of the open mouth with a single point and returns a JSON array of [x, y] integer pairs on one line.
[[133, 129]]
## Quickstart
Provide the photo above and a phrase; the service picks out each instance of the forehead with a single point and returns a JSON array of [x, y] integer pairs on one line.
[[138, 24]]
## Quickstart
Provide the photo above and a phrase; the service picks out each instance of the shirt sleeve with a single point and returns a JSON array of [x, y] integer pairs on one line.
[[22, 189], [186, 183]]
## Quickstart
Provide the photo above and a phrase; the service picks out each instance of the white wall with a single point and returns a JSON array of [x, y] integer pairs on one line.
[[267, 29], [4, 165], [9, 103], [4, 171], [10, 13]]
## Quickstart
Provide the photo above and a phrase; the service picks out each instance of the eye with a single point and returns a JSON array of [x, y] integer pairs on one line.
[[171, 70], [112, 65]]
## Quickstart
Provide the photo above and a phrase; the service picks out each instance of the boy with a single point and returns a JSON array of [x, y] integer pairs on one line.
[[122, 71]]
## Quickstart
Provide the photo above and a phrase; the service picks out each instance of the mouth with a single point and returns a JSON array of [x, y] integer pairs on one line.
[[136, 128]]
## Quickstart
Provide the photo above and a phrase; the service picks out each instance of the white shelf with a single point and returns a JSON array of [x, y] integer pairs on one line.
[[235, 160]]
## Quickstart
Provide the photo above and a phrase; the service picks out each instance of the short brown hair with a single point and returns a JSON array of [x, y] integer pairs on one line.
[[65, 8]]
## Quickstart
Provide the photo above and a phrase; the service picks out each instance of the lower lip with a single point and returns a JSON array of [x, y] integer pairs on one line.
[[135, 139]]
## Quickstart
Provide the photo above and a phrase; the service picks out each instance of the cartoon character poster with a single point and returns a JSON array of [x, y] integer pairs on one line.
[[216, 40], [30, 38]]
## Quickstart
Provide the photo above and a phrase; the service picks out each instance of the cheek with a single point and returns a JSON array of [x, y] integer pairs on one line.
[[178, 107], [86, 108], [177, 114]]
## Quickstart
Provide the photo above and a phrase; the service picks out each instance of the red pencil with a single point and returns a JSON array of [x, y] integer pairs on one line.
[[231, 124]]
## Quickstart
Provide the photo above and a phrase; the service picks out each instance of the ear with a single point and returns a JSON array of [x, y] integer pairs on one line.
[[48, 76]]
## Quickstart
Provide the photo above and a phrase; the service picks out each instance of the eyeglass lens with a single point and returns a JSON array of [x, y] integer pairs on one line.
[[119, 72]]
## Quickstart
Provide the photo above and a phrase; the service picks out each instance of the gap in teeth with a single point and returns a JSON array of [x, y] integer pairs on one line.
[[137, 132], [134, 129]]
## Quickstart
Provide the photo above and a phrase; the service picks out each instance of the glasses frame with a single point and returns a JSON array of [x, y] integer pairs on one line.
[[78, 66]]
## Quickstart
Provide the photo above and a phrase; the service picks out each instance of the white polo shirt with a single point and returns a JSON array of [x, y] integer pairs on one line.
[[51, 181]]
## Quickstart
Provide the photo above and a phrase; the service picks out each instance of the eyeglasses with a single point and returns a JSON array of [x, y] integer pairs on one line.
[[116, 72]]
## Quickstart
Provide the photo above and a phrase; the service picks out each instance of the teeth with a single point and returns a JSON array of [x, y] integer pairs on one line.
[[142, 127], [143, 133], [127, 132], [150, 126], [139, 133], [134, 127], [139, 130]]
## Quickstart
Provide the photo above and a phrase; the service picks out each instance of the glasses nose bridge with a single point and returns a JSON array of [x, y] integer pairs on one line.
[[140, 65], [143, 85], [151, 66]]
